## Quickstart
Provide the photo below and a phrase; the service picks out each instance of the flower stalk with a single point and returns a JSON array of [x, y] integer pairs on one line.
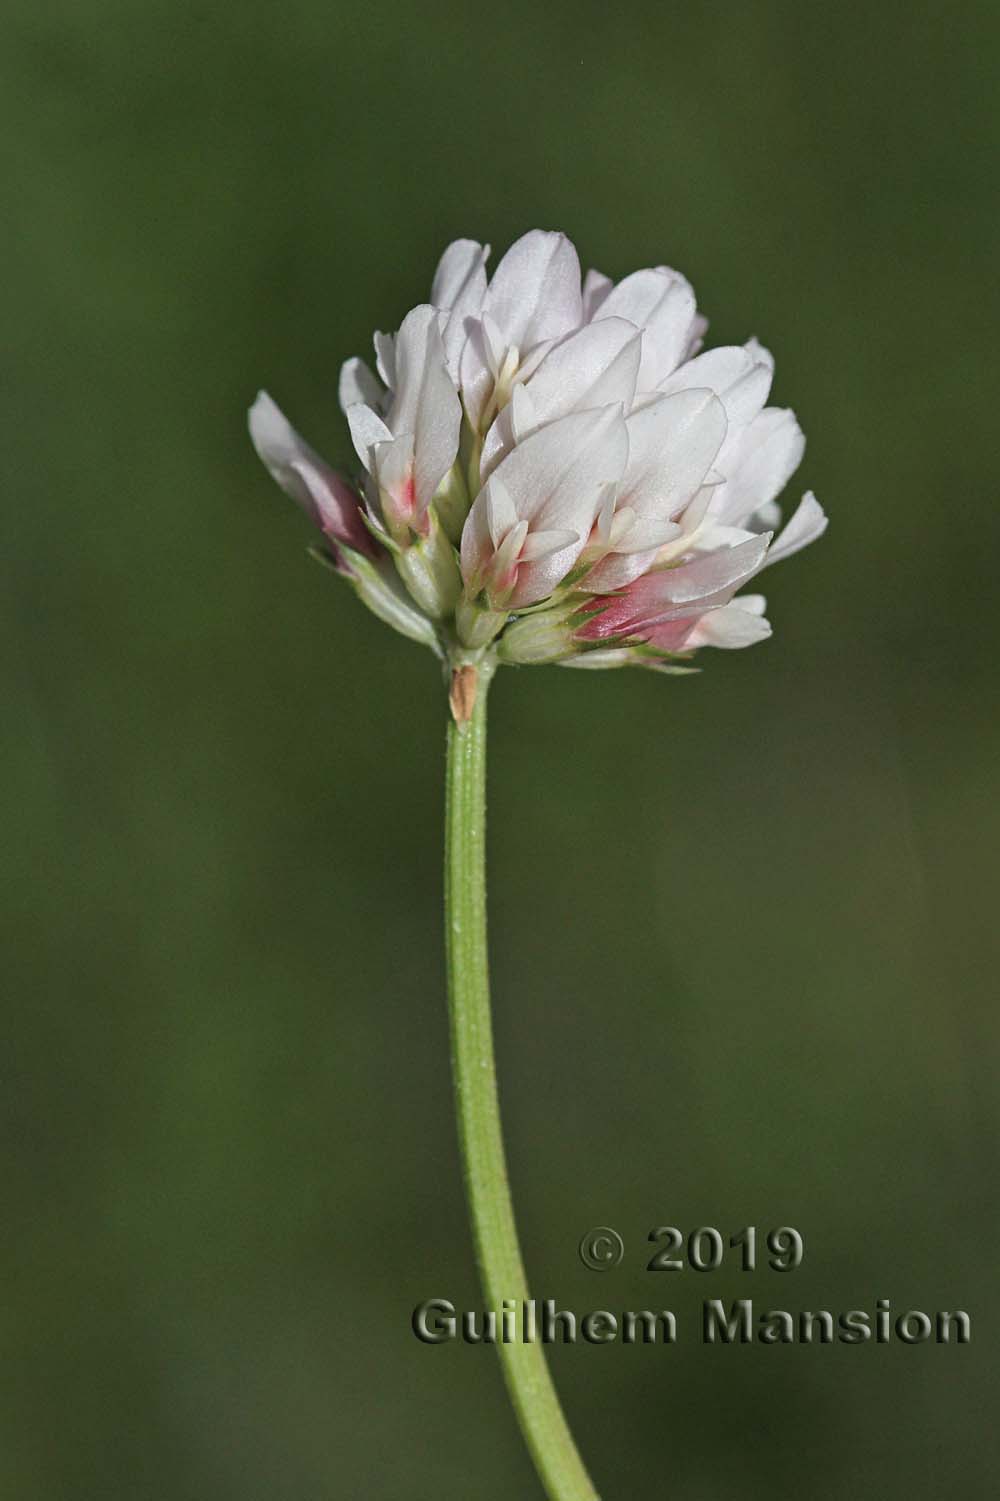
[[477, 1104]]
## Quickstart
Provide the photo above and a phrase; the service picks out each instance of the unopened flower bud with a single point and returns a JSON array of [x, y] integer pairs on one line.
[[429, 569], [545, 637], [378, 586]]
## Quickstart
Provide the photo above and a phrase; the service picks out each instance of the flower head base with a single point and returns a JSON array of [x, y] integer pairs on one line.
[[552, 469]]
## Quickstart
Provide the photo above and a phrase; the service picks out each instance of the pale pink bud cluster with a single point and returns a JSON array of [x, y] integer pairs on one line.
[[550, 468]]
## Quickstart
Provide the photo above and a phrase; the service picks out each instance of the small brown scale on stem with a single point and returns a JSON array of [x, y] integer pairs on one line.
[[462, 693]]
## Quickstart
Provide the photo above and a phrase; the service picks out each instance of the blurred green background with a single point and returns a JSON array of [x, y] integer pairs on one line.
[[744, 924]]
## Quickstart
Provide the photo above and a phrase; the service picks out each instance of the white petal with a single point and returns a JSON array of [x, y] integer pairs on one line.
[[536, 581], [661, 303], [501, 516], [279, 446], [735, 625], [507, 554], [461, 264], [760, 465], [494, 343], [475, 375], [617, 570], [459, 289], [739, 375], [523, 412], [367, 429], [756, 604], [808, 523], [538, 545], [559, 473], [596, 287], [535, 290], [425, 403], [621, 524], [502, 436], [385, 358], [358, 385], [646, 534], [477, 545], [606, 513], [699, 328], [672, 443], [594, 367]]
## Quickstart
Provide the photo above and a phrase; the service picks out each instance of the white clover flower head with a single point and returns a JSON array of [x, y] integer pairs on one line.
[[552, 470]]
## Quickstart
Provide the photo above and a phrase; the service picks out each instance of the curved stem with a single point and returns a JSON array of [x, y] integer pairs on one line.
[[499, 1256]]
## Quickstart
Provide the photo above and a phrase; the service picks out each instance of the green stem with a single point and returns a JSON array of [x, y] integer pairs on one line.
[[500, 1266]]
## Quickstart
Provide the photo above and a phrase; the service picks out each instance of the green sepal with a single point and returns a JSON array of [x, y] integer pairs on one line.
[[429, 569], [378, 587], [477, 625], [452, 503]]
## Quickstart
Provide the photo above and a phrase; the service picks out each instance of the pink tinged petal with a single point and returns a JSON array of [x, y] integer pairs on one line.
[[358, 386], [672, 443], [667, 594], [596, 287], [535, 290], [596, 366], [672, 635], [325, 496], [425, 403], [733, 626], [394, 471], [661, 303], [807, 524], [337, 508], [761, 465], [678, 593]]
